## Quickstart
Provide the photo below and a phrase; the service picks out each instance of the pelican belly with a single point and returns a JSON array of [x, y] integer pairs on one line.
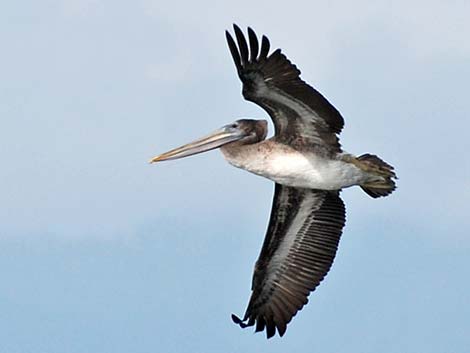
[[290, 167]]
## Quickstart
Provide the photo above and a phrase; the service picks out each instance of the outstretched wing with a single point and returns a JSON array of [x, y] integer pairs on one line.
[[298, 251], [299, 112]]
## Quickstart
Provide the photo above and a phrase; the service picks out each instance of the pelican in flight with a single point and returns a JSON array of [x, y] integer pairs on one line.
[[309, 168]]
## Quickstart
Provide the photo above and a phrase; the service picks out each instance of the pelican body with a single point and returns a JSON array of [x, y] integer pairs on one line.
[[287, 166], [309, 168]]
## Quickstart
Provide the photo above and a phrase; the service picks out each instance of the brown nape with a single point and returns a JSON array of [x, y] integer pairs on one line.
[[261, 129], [256, 130]]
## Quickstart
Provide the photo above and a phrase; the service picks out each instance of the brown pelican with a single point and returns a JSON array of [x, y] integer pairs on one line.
[[305, 160]]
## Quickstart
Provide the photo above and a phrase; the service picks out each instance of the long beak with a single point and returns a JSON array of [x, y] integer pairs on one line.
[[217, 139]]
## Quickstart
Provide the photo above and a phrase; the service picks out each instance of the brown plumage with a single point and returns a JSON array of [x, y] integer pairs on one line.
[[305, 160]]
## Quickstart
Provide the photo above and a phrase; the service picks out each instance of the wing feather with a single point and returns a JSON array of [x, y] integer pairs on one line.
[[299, 112], [234, 51], [297, 253], [241, 43], [253, 44], [264, 48]]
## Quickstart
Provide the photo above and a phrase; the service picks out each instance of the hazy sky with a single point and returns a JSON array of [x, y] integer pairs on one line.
[[102, 252]]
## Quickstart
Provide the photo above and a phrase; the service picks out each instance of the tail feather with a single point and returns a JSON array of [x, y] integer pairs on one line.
[[382, 182]]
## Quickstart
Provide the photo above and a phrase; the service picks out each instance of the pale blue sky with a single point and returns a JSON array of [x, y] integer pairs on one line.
[[101, 252]]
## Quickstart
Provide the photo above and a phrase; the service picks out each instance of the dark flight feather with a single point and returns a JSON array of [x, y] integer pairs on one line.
[[299, 248], [299, 112]]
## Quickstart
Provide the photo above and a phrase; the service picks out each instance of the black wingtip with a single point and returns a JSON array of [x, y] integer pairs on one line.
[[235, 27], [242, 44], [270, 331], [228, 37], [261, 325], [253, 44], [238, 321], [233, 50], [265, 45]]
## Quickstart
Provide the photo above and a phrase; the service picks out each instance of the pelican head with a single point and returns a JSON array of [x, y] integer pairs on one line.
[[242, 131]]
